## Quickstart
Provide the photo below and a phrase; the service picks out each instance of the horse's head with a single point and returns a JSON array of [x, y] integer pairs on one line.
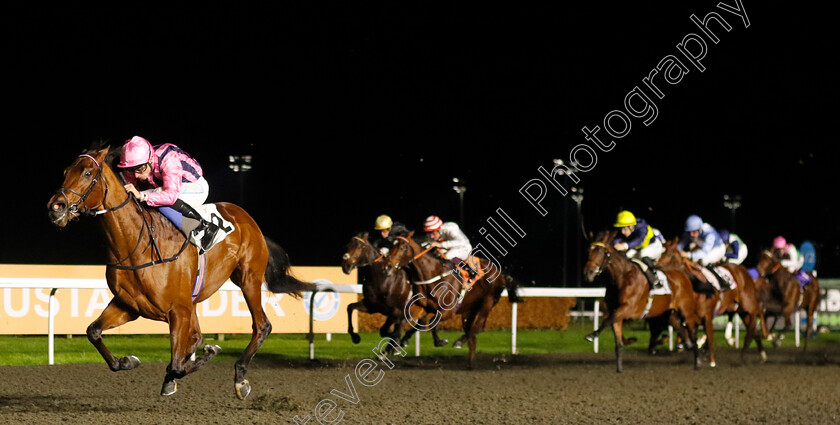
[[670, 255], [401, 253], [83, 189], [357, 254], [767, 263], [600, 251]]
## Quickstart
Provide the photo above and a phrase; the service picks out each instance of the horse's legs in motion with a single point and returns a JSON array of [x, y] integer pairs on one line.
[[608, 321], [251, 285], [112, 316], [689, 335], [360, 306], [478, 319], [619, 344], [184, 337]]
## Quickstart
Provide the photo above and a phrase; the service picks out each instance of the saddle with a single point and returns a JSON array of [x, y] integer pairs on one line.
[[210, 213], [474, 264], [711, 278]]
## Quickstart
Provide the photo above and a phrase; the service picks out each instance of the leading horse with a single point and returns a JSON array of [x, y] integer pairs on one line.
[[151, 268], [628, 296], [384, 293]]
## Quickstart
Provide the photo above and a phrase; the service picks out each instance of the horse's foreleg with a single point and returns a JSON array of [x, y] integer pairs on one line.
[[112, 316], [184, 338], [479, 320], [709, 328], [360, 306], [688, 334], [619, 345], [607, 322], [260, 329]]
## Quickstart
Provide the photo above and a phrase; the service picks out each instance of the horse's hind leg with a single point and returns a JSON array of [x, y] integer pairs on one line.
[[112, 316], [261, 328]]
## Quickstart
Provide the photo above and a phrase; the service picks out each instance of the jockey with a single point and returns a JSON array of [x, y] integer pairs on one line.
[[640, 241], [166, 177], [787, 254], [736, 249], [450, 239], [388, 230], [704, 237]]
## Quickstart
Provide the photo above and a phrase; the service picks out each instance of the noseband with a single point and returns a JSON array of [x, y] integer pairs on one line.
[[74, 207], [599, 267]]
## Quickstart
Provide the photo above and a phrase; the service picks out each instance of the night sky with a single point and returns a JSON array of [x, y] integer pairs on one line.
[[355, 110]]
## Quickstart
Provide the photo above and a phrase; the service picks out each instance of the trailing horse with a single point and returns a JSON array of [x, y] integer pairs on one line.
[[382, 292], [629, 296], [152, 269], [438, 288], [784, 288]]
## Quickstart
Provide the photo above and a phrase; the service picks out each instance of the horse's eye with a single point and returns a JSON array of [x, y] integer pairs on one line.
[[88, 174]]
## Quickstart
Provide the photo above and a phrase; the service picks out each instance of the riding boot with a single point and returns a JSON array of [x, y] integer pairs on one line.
[[650, 273], [194, 225]]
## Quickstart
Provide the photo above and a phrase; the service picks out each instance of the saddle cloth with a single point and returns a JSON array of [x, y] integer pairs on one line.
[[663, 287], [723, 273], [210, 213]]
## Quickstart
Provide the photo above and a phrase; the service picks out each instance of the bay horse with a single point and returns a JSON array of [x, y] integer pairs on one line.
[[742, 300], [151, 267], [384, 293], [784, 287], [628, 293], [437, 289]]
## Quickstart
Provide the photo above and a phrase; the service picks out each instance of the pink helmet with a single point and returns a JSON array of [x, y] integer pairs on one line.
[[432, 223], [136, 151], [779, 243]]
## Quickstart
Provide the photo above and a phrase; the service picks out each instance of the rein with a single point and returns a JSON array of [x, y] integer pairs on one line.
[[74, 208], [599, 268]]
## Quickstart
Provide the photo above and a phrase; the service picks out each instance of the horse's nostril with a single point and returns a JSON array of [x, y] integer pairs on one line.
[[58, 206]]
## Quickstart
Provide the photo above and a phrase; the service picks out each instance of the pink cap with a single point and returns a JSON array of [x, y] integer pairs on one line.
[[136, 151], [779, 243], [432, 223]]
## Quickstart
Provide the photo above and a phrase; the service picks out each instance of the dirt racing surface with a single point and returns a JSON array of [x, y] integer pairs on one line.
[[538, 389]]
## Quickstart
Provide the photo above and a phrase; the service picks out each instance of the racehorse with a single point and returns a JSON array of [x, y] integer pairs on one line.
[[628, 296], [742, 299], [437, 289], [382, 292], [152, 269], [785, 288]]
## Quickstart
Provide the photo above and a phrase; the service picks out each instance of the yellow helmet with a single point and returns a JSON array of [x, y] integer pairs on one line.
[[624, 219], [383, 222]]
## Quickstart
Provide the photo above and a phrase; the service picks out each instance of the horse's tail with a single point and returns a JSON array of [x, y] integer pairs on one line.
[[512, 285], [277, 275]]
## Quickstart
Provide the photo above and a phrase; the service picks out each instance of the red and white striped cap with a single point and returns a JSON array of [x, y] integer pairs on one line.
[[433, 223]]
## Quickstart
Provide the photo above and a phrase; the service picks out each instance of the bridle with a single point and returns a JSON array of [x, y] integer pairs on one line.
[[599, 267], [74, 208], [422, 253], [775, 268], [346, 255]]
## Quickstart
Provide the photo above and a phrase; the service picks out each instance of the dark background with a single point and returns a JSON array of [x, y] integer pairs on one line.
[[355, 110]]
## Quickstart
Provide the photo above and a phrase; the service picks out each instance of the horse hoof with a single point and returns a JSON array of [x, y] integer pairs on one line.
[[169, 388], [763, 357], [129, 362], [243, 389], [457, 344], [590, 337], [212, 350], [777, 342], [356, 338], [442, 343], [712, 364]]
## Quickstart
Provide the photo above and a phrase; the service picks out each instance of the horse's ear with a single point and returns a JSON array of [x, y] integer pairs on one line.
[[411, 234], [365, 236], [591, 235]]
